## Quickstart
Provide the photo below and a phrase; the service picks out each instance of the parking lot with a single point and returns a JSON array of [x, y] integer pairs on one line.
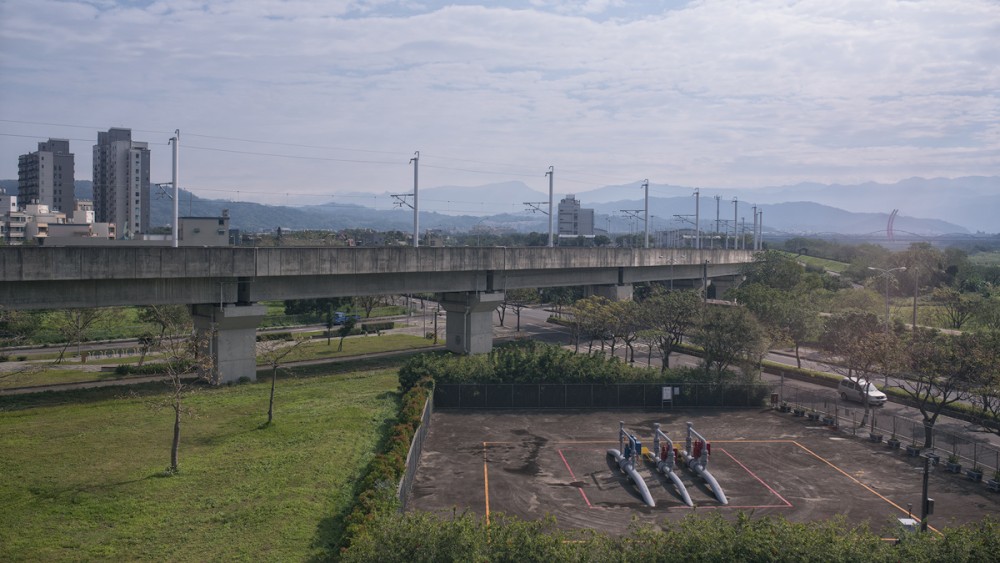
[[537, 463]]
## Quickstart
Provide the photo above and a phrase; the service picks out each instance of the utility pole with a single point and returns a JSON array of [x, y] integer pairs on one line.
[[736, 212], [416, 201], [645, 185], [754, 239], [176, 141], [697, 218], [718, 198], [760, 230], [550, 174]]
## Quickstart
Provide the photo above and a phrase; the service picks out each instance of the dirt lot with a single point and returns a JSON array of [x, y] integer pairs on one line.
[[536, 463]]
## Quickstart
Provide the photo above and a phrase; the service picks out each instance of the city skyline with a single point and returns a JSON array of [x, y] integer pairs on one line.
[[316, 99]]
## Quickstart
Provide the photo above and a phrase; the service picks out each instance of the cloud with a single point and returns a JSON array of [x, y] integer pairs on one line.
[[703, 93]]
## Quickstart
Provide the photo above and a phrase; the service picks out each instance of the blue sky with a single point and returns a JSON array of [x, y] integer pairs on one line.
[[297, 101]]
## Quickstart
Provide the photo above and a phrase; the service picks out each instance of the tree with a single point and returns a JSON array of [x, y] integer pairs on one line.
[[590, 315], [73, 325], [773, 269], [730, 336], [16, 326], [519, 299], [367, 303], [942, 369], [272, 353], [671, 316], [166, 316], [344, 332], [850, 338], [625, 325], [146, 342], [316, 308], [987, 380], [789, 316], [958, 307], [187, 364], [988, 314]]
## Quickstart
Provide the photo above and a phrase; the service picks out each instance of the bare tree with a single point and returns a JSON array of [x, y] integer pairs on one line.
[[186, 365], [273, 353], [367, 303], [174, 317], [73, 325]]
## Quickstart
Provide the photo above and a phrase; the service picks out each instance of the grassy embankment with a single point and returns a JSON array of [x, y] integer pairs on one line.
[[83, 472]]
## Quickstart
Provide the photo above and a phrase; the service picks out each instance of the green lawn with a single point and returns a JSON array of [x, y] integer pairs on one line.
[[83, 478], [70, 372], [357, 346]]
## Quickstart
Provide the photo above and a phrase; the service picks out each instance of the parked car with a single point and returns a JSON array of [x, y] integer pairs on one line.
[[861, 390], [340, 318]]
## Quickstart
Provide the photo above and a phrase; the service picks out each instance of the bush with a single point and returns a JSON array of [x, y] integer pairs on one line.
[[4, 358], [268, 336], [150, 369], [22, 358], [373, 327]]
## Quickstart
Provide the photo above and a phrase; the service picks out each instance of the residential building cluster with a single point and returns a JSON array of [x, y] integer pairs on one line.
[[45, 209]]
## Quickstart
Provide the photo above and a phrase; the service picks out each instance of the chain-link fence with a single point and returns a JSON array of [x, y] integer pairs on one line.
[[413, 456], [598, 396]]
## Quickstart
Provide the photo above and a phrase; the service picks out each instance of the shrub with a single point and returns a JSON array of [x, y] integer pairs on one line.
[[373, 327], [4, 358], [268, 336]]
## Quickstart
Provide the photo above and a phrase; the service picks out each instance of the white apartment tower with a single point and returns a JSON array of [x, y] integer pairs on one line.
[[46, 176], [121, 182], [573, 220]]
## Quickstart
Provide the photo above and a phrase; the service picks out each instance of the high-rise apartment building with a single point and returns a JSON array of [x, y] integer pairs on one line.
[[46, 176], [121, 182], [573, 220]]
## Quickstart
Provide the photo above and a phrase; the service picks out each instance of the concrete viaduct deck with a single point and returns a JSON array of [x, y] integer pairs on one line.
[[223, 284]]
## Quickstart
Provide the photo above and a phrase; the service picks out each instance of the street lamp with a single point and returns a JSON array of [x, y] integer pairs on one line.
[[887, 274]]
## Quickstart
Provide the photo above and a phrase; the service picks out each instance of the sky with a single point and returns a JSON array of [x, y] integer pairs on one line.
[[302, 101]]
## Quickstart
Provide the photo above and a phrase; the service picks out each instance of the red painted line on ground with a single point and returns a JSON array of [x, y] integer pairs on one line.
[[571, 474], [752, 474]]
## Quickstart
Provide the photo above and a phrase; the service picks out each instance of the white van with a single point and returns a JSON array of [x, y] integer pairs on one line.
[[860, 390]]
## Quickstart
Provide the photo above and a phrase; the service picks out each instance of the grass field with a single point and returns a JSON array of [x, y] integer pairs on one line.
[[828, 265], [84, 479], [357, 346], [71, 372]]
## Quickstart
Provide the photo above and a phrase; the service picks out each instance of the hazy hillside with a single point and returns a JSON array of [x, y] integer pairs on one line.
[[501, 205]]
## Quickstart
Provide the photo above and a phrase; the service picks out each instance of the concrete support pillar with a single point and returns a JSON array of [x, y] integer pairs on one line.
[[722, 285], [469, 328], [620, 292], [231, 335]]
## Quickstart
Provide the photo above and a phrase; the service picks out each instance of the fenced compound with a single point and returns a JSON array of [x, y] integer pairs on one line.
[[598, 396], [969, 451]]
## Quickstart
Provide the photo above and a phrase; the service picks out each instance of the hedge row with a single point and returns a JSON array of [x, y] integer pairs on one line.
[[525, 362], [372, 327], [150, 369], [421, 536], [266, 336], [377, 489]]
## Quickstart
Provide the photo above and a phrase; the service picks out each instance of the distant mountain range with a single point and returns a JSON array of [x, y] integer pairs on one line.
[[926, 207]]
